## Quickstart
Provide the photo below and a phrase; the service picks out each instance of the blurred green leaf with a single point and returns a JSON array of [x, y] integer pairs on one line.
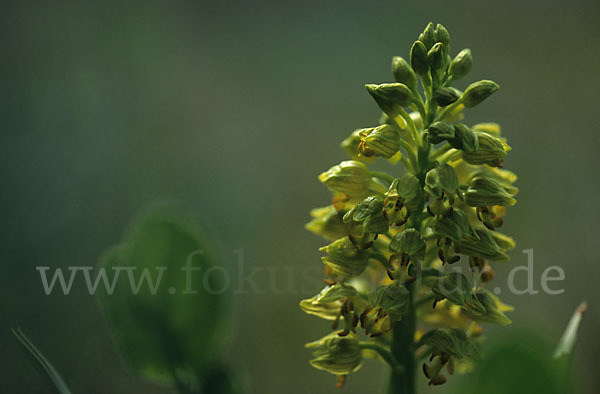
[[519, 365], [169, 336]]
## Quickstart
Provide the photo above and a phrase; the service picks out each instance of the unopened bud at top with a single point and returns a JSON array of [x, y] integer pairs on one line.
[[442, 35], [391, 97], [477, 92], [418, 58], [461, 65], [436, 57], [428, 36], [403, 72]]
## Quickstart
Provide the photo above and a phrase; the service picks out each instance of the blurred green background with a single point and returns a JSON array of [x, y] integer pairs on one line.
[[233, 109]]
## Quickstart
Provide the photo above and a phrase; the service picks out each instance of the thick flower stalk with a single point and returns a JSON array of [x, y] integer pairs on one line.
[[411, 252]]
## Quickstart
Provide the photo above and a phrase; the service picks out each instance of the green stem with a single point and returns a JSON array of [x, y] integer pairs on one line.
[[383, 175], [411, 127], [385, 354], [410, 152], [447, 110], [403, 350]]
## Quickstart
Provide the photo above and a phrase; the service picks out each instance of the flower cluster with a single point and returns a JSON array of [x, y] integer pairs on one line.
[[394, 237]]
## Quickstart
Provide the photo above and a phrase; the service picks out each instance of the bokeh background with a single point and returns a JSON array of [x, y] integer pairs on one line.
[[233, 108]]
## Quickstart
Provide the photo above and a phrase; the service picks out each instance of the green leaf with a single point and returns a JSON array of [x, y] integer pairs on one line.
[[166, 338], [521, 364], [53, 378], [452, 341], [410, 243]]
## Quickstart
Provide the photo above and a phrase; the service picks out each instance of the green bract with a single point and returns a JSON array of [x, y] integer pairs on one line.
[[410, 243], [396, 233]]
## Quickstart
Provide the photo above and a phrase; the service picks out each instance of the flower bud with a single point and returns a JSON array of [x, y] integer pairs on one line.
[[464, 138], [344, 259], [382, 141], [335, 354], [428, 36], [461, 64], [477, 92], [418, 58], [484, 246], [403, 73], [491, 151], [446, 96], [327, 222], [490, 128], [442, 35], [504, 241], [494, 309], [484, 191], [439, 131], [454, 226], [349, 177], [436, 57], [391, 97]]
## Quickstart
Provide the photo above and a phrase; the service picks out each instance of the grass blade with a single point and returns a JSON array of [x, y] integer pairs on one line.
[[56, 381]]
